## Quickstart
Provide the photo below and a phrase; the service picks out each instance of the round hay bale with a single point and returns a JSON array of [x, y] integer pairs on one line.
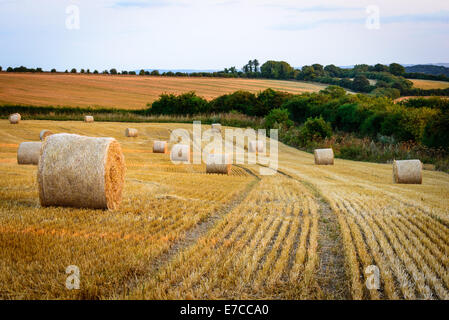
[[218, 163], [15, 118], [81, 172], [29, 153], [160, 147], [44, 134], [88, 119], [324, 156], [130, 132], [407, 171], [180, 152], [216, 127], [256, 146]]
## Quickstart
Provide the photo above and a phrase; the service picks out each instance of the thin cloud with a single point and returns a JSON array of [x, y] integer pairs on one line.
[[437, 17], [141, 4]]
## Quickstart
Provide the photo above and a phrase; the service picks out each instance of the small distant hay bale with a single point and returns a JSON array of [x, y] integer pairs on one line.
[[256, 146], [218, 163], [44, 134], [29, 153], [324, 156], [160, 147], [88, 119], [15, 118], [81, 172], [180, 152], [130, 132], [428, 166], [216, 127], [407, 171]]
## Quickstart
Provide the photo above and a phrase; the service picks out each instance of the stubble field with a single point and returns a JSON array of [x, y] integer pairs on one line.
[[307, 232], [124, 91]]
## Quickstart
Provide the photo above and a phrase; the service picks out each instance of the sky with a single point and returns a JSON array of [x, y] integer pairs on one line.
[[214, 34]]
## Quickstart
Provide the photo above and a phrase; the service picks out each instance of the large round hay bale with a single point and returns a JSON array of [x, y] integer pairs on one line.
[[160, 146], [29, 152], [256, 146], [130, 132], [218, 163], [15, 118], [216, 127], [82, 172], [407, 171], [324, 156], [44, 134], [180, 152], [88, 119]]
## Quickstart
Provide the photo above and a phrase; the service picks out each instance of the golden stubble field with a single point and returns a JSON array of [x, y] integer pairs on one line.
[[124, 91], [429, 84], [306, 232]]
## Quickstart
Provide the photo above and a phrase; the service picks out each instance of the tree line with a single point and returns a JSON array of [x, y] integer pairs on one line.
[[413, 120], [386, 81]]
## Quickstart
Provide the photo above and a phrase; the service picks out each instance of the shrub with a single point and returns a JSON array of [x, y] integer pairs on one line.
[[298, 107], [270, 99], [436, 132], [241, 101], [278, 116], [73, 70], [186, 103], [315, 129]]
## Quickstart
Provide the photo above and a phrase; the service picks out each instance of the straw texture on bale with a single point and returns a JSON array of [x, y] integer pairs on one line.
[[256, 146], [216, 127], [82, 172], [180, 152], [15, 118], [324, 156], [88, 119], [407, 171], [218, 163], [160, 146], [44, 134], [130, 132], [29, 152]]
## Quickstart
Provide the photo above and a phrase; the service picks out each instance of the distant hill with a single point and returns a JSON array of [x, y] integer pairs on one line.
[[428, 69]]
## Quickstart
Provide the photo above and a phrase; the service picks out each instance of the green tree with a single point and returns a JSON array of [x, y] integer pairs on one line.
[[141, 72], [113, 71], [256, 65], [315, 129], [361, 83], [95, 71], [82, 71], [381, 68], [319, 70], [278, 116], [396, 69], [333, 71], [277, 70], [73, 70], [155, 73], [361, 68], [53, 70]]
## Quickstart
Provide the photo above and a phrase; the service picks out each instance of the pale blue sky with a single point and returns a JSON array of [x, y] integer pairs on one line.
[[213, 34]]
